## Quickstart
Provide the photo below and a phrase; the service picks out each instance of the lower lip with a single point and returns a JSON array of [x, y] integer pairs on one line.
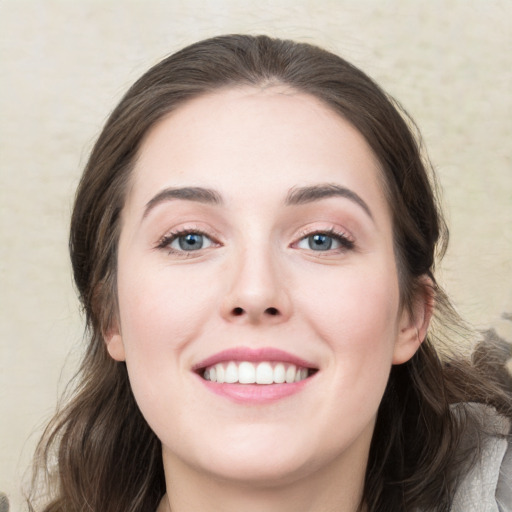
[[255, 393]]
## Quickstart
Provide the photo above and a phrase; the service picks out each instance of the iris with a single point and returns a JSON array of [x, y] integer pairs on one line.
[[191, 242], [320, 242]]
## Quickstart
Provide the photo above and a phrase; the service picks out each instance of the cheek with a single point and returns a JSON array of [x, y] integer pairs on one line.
[[352, 304], [160, 309], [356, 315], [160, 314], [354, 312]]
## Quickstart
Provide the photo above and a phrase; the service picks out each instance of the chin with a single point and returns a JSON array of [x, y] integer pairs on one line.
[[257, 455], [265, 471]]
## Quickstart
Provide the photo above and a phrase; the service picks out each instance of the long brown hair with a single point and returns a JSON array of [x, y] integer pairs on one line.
[[98, 452]]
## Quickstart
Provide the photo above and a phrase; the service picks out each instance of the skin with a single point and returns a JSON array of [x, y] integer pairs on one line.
[[258, 283]]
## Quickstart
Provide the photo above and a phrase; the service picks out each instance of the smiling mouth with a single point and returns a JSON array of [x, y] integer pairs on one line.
[[264, 372]]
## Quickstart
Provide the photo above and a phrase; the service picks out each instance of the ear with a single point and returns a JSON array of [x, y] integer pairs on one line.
[[414, 322], [114, 342], [103, 304]]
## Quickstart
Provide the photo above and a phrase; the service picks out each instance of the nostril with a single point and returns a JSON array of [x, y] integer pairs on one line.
[[272, 311], [238, 311]]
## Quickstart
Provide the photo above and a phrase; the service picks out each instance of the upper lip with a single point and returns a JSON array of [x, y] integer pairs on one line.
[[253, 355]]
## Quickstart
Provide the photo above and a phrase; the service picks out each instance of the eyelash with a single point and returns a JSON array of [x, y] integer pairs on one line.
[[346, 243], [166, 241]]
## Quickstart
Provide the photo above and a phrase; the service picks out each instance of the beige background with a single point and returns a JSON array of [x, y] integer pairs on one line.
[[65, 64]]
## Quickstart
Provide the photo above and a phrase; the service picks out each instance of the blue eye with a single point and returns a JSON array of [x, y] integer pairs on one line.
[[189, 241], [322, 242]]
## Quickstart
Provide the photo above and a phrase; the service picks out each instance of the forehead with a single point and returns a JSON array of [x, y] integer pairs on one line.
[[255, 139]]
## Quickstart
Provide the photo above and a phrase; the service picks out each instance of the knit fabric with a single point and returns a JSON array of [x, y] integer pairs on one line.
[[487, 487]]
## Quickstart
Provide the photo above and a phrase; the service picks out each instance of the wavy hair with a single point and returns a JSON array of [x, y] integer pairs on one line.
[[99, 432]]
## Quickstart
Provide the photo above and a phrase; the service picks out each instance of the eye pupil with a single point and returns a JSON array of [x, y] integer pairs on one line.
[[320, 242], [190, 241]]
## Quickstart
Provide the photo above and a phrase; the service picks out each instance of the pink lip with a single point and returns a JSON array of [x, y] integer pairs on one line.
[[254, 356], [254, 393]]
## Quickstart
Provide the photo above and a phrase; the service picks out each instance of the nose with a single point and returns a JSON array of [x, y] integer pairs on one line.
[[257, 291]]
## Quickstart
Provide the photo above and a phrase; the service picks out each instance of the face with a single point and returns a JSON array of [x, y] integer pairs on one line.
[[258, 294]]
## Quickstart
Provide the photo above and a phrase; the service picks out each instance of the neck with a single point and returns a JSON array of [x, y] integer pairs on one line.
[[331, 489]]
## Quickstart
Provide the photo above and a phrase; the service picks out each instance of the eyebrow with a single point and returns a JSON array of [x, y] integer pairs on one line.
[[297, 196], [309, 194], [198, 194]]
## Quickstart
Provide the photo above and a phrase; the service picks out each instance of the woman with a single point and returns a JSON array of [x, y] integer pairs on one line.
[[253, 242]]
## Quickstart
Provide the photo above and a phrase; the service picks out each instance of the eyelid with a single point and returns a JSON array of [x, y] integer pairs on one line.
[[173, 234], [346, 239]]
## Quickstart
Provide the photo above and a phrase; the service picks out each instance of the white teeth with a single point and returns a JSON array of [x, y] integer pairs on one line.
[[279, 373], [231, 375], [246, 372], [219, 369], [290, 374], [264, 374]]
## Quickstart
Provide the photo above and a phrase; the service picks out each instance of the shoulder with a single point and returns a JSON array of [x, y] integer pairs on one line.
[[487, 484]]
